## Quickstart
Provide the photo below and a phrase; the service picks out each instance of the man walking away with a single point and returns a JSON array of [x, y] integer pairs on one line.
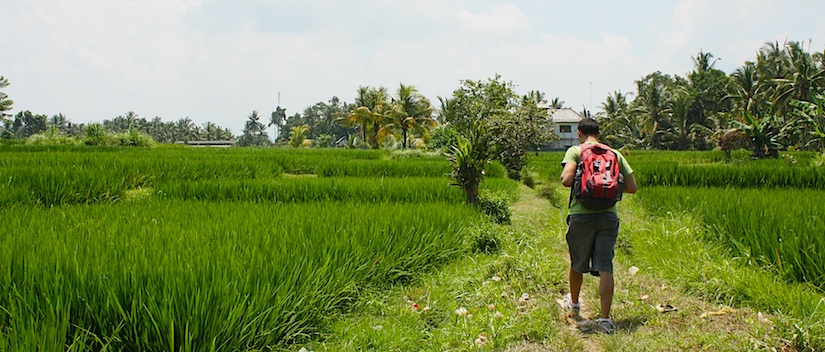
[[593, 223]]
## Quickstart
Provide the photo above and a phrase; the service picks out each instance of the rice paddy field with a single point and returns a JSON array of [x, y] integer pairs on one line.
[[183, 249]]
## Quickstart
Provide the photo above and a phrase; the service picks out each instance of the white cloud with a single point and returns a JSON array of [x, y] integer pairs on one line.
[[504, 19], [217, 60]]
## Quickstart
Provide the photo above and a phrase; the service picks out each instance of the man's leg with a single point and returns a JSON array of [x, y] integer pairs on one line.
[[575, 285], [605, 292]]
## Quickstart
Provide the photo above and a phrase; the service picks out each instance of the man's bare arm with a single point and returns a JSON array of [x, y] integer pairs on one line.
[[568, 175], [630, 184]]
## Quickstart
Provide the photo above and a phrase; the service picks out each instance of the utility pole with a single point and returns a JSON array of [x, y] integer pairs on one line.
[[591, 95]]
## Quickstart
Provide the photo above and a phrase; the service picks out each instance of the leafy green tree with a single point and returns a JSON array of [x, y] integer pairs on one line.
[[511, 124], [525, 126], [477, 101], [27, 124], [325, 118], [59, 122]]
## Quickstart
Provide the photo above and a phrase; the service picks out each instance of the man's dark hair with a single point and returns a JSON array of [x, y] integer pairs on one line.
[[589, 127]]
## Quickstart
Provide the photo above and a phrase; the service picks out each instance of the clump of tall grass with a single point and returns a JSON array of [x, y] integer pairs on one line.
[[51, 137]]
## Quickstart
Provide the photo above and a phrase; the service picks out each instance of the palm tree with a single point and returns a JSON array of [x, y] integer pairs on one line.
[[747, 93], [447, 111], [678, 109], [297, 135], [371, 110], [804, 78], [650, 101], [410, 111], [557, 103], [60, 122], [615, 119], [185, 130]]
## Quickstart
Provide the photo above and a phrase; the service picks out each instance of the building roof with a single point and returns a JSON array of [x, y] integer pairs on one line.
[[565, 115]]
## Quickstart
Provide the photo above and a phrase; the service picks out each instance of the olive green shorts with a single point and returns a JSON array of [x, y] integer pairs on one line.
[[591, 239]]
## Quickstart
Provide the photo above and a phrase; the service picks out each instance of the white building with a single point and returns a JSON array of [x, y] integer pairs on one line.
[[565, 122]]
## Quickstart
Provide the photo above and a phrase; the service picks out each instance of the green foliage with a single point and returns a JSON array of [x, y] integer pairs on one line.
[[96, 135], [512, 125], [443, 137], [468, 159], [53, 137], [324, 141], [484, 238], [495, 205], [297, 135]]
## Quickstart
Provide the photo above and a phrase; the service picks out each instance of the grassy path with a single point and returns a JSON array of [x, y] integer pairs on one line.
[[506, 301]]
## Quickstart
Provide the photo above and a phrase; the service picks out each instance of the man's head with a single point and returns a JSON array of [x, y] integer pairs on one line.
[[588, 127]]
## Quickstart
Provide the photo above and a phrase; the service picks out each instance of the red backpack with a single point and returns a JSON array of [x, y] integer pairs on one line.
[[599, 183]]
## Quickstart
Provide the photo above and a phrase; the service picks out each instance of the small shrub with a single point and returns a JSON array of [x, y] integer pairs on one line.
[[549, 193], [495, 170], [528, 180], [495, 205], [133, 138], [483, 238]]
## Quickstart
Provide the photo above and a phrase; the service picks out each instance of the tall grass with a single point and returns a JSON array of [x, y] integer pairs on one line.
[[314, 189], [780, 229], [182, 275]]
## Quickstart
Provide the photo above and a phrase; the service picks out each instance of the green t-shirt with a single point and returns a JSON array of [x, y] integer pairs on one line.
[[573, 155]]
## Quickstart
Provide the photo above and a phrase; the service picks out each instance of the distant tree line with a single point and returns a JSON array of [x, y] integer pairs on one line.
[[772, 103]]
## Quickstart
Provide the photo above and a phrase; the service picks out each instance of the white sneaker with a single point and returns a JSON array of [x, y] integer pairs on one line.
[[606, 326], [573, 309]]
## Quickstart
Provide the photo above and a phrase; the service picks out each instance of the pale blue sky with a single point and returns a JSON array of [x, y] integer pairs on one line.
[[217, 60]]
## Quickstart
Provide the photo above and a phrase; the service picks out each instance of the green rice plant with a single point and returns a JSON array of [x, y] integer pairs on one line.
[[384, 168], [779, 229], [314, 189], [225, 276], [756, 175]]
